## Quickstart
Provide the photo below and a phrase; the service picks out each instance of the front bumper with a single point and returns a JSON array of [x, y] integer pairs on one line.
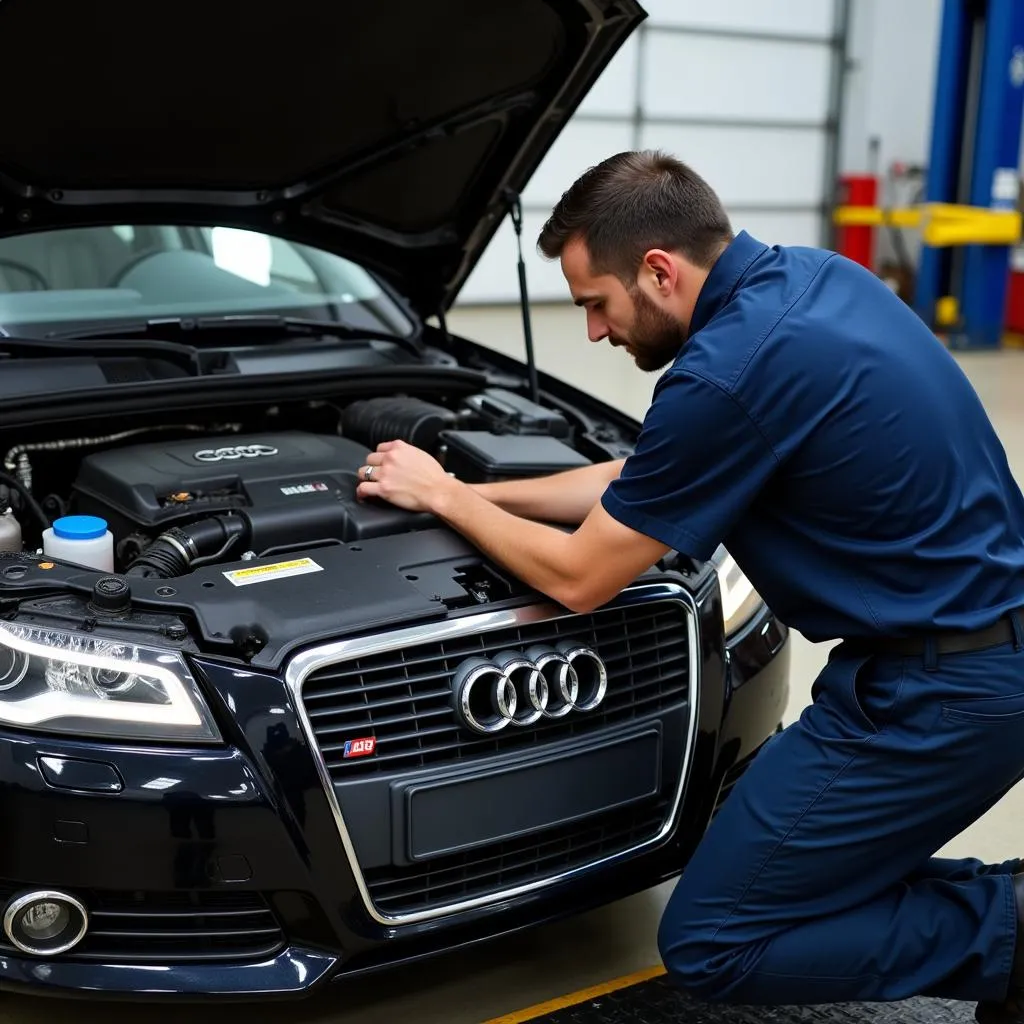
[[231, 872]]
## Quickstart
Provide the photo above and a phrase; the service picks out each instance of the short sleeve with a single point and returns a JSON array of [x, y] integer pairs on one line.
[[700, 461]]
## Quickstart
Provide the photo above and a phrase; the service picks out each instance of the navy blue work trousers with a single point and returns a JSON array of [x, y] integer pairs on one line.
[[818, 881]]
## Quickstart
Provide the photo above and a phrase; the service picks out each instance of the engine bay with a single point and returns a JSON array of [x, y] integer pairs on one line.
[[269, 493], [199, 512], [276, 490]]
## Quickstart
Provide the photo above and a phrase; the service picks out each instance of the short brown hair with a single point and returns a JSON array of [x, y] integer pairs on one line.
[[633, 202]]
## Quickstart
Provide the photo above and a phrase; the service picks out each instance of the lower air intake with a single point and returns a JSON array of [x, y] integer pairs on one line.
[[134, 927]]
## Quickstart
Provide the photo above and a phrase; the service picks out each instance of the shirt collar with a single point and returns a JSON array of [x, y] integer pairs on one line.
[[726, 273]]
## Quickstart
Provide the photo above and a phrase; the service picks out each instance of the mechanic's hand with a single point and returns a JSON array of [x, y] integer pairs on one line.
[[404, 475]]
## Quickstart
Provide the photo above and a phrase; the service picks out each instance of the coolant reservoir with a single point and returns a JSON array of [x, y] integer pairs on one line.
[[10, 532], [84, 540]]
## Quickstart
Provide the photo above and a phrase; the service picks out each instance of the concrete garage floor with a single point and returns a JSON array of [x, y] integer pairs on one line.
[[505, 976]]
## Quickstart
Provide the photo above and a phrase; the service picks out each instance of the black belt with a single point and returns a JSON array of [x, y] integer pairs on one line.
[[946, 642]]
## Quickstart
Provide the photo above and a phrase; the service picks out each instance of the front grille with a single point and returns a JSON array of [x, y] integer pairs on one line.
[[170, 927], [443, 881], [402, 697]]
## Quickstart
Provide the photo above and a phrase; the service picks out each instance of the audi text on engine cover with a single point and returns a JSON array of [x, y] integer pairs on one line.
[[260, 737]]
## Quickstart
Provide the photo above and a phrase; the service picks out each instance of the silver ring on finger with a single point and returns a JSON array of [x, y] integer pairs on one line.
[[368, 473]]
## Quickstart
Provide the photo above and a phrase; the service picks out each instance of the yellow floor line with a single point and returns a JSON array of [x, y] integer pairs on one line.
[[575, 998]]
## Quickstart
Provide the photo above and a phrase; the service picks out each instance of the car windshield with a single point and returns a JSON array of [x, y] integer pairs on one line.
[[54, 280]]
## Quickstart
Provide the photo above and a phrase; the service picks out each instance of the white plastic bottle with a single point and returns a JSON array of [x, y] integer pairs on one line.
[[83, 540], [10, 532]]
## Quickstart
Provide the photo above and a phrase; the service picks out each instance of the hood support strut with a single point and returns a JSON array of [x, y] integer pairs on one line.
[[516, 209]]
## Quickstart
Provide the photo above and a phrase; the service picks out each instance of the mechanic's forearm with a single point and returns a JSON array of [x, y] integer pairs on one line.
[[564, 497], [541, 556]]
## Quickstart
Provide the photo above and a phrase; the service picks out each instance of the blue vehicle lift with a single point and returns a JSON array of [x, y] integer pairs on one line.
[[973, 171]]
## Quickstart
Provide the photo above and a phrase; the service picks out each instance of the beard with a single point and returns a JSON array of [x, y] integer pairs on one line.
[[655, 338]]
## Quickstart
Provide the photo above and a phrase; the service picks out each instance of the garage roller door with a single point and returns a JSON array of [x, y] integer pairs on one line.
[[747, 92]]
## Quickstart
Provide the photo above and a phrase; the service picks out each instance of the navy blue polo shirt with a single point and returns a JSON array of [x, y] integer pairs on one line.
[[814, 425]]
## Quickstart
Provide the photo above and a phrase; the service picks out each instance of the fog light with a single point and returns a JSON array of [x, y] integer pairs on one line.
[[45, 923]]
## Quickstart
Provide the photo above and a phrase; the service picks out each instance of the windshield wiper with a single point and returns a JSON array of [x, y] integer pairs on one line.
[[243, 324], [186, 356]]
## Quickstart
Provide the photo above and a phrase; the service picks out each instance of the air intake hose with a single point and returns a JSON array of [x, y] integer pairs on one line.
[[181, 549]]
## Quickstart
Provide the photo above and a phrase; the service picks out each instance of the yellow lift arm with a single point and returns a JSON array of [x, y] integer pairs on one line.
[[941, 224]]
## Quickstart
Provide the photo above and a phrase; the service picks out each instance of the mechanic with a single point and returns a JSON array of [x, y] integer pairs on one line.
[[810, 421]]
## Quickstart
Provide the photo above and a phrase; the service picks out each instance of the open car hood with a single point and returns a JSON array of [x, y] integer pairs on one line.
[[388, 131]]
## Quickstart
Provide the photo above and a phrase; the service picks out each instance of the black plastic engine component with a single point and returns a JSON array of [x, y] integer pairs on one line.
[[505, 412], [112, 594], [476, 456], [180, 549], [375, 420], [287, 489]]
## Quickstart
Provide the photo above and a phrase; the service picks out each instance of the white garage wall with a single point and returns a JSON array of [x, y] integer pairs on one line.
[[894, 48], [737, 88], [799, 17]]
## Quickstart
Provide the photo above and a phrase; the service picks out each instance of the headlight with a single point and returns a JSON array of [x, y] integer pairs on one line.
[[73, 683], [740, 601]]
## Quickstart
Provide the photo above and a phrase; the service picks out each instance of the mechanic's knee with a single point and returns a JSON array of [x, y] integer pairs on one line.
[[697, 960]]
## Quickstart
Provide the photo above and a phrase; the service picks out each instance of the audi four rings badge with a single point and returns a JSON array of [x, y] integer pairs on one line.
[[237, 451], [519, 688]]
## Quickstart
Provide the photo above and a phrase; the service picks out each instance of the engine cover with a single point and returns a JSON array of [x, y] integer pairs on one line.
[[294, 488]]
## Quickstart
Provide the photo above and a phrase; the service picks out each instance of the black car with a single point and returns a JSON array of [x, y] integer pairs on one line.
[[257, 736]]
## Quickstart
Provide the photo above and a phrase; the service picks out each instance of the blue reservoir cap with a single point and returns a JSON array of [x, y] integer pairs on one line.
[[79, 527]]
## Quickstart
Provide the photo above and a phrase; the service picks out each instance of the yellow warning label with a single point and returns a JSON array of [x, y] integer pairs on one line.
[[276, 571]]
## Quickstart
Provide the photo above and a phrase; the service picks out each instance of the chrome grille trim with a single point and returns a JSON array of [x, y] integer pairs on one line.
[[301, 665]]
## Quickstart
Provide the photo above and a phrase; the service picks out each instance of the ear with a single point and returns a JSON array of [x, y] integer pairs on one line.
[[661, 271]]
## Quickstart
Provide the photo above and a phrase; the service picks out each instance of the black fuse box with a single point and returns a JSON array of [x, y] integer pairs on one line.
[[478, 456], [505, 412]]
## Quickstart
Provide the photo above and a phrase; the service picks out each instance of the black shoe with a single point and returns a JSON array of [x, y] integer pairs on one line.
[[1011, 1009]]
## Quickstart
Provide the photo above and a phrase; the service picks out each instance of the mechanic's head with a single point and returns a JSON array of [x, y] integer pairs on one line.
[[636, 236]]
